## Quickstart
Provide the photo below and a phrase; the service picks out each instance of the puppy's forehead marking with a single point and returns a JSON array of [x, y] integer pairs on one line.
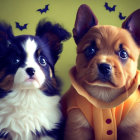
[[30, 46]]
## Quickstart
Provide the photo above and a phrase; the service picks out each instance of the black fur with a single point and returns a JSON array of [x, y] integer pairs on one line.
[[57, 133], [3, 93], [48, 39], [60, 34]]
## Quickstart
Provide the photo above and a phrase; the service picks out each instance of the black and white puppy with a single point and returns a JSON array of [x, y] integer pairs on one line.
[[29, 89]]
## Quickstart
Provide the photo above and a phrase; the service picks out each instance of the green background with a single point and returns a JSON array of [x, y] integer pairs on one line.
[[63, 12]]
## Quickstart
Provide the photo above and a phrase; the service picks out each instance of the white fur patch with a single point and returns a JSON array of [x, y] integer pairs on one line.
[[48, 138], [28, 110], [30, 47]]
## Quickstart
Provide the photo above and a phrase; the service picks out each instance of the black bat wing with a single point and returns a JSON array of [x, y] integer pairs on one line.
[[113, 8], [40, 10], [110, 9], [121, 16], [18, 26], [21, 27], [24, 26], [44, 10], [106, 5]]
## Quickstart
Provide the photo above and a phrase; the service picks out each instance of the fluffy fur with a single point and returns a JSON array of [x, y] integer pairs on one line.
[[29, 89], [106, 66]]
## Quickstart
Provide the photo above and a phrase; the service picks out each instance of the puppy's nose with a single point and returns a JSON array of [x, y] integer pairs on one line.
[[30, 71], [105, 69]]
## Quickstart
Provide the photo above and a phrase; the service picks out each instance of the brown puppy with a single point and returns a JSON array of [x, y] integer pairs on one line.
[[103, 102]]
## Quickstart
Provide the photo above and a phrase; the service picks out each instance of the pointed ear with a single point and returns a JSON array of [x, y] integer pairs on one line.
[[6, 37], [85, 19], [6, 32], [132, 24], [53, 35]]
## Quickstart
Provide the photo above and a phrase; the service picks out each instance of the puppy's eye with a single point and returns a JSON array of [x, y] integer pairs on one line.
[[15, 60], [42, 60], [90, 51], [123, 53]]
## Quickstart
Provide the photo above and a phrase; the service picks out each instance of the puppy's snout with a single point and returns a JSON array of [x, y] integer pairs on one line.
[[30, 71], [105, 69]]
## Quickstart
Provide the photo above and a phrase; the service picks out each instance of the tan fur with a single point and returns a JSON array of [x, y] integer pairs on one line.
[[103, 93], [7, 83], [2, 73], [107, 39], [51, 74], [77, 127], [45, 85], [130, 127], [121, 79], [3, 35], [38, 52], [121, 75]]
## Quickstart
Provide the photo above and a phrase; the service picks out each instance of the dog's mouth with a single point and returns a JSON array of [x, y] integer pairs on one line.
[[101, 80], [102, 83], [32, 80]]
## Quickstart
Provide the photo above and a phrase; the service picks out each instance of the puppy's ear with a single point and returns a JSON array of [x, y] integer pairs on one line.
[[132, 24], [6, 36], [85, 19], [53, 35], [6, 32]]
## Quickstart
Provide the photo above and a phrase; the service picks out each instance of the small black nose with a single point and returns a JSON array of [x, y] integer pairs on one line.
[[105, 69], [30, 71]]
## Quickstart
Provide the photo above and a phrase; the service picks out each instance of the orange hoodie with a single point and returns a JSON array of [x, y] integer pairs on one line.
[[102, 116]]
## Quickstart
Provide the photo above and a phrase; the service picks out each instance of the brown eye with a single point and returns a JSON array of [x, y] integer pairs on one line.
[[42, 60]]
